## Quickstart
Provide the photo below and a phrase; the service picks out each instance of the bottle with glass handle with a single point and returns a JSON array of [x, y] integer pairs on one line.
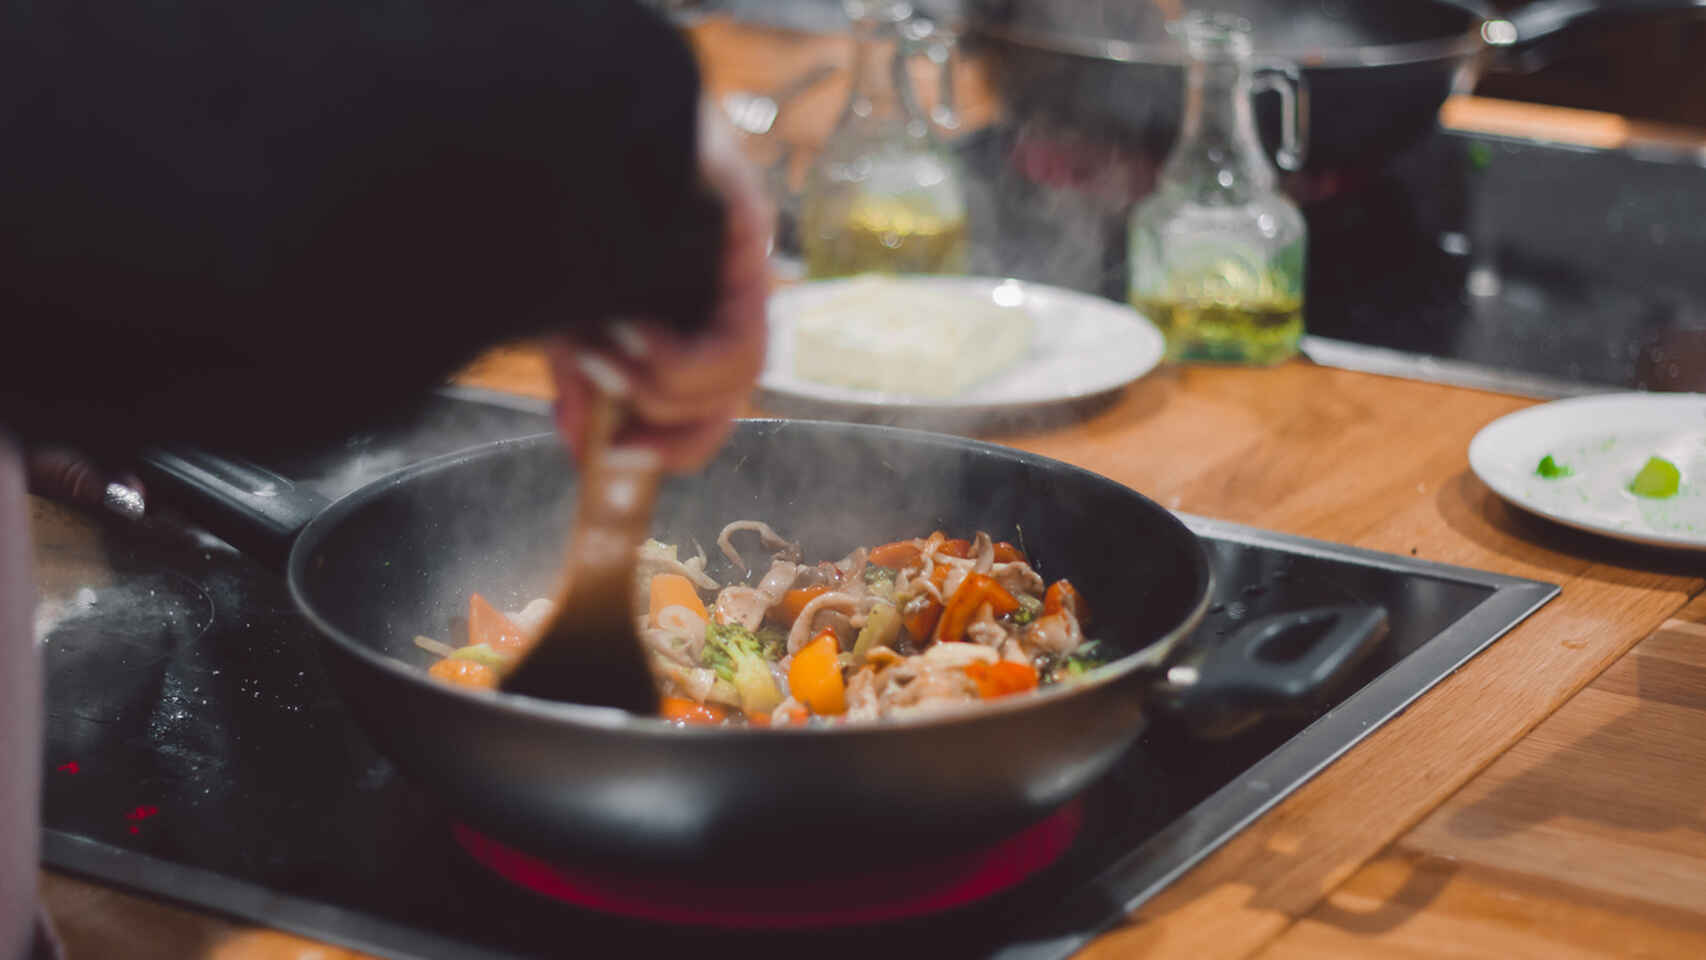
[[1216, 253], [883, 195]]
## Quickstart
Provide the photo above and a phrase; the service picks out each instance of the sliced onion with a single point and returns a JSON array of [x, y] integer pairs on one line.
[[678, 619], [434, 647], [532, 616]]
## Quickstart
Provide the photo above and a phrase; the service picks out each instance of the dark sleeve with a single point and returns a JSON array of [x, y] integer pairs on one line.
[[277, 218]]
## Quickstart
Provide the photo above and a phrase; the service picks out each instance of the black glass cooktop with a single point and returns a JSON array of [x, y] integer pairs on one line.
[[196, 752], [1569, 269]]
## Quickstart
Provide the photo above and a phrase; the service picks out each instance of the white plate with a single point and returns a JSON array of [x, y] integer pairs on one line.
[[1084, 346], [1605, 440]]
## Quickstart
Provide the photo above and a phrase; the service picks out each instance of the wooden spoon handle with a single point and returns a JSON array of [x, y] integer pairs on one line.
[[613, 513]]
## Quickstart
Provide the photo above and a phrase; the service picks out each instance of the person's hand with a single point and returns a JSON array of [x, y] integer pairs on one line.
[[684, 392], [61, 473]]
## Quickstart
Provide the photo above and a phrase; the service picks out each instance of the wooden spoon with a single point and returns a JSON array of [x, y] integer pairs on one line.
[[588, 650]]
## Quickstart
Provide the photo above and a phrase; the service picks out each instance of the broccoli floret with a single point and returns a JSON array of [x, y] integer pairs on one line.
[[772, 641], [1087, 657], [1029, 609], [880, 580], [738, 656]]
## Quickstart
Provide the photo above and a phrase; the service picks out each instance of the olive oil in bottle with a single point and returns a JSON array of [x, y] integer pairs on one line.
[[1210, 331], [884, 236], [883, 196], [1216, 254]]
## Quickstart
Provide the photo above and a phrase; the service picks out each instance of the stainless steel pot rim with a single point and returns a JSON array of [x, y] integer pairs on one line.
[[611, 720], [1487, 33]]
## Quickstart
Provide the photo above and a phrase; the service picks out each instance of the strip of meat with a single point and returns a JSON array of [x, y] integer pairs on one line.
[[983, 553], [747, 605], [802, 629], [1055, 632], [653, 561], [766, 536]]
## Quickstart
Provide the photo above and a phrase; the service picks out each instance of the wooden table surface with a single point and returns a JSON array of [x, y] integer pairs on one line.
[[1548, 800]]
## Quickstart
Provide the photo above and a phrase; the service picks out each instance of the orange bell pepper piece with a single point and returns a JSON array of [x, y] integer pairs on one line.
[[684, 711], [814, 676], [960, 549], [1002, 678], [1062, 595], [794, 602], [1007, 553], [675, 590], [896, 555], [977, 590], [919, 617], [465, 673], [487, 625]]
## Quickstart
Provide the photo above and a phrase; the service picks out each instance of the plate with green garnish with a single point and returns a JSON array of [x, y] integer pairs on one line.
[[1626, 465]]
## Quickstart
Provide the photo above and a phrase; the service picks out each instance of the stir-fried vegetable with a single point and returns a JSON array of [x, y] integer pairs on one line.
[[1002, 677], [738, 656], [903, 626], [815, 676], [881, 629], [486, 625], [794, 602], [465, 673], [976, 591], [674, 590], [1062, 595], [684, 711], [482, 653]]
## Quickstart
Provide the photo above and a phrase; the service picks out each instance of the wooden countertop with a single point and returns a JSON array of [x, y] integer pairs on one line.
[[1547, 800]]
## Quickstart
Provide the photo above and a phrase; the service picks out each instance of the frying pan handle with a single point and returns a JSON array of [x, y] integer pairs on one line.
[[1278, 663], [1518, 38], [248, 506]]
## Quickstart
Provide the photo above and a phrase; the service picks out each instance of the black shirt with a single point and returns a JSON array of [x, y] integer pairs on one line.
[[272, 219]]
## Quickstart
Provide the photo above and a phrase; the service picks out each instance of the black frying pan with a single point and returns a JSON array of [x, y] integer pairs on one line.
[[1376, 70], [399, 557]]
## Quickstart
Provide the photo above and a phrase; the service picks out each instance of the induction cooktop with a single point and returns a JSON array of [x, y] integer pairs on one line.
[[196, 752]]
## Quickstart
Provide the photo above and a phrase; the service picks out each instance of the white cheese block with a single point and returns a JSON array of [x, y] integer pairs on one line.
[[888, 335]]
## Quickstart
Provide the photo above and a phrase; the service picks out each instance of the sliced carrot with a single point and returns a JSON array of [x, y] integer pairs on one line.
[[1062, 595], [814, 676], [1002, 678], [794, 601], [465, 673], [895, 555], [487, 625], [675, 590], [684, 711], [919, 617], [1007, 553]]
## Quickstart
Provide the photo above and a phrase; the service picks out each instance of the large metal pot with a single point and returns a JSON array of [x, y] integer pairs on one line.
[[1376, 70]]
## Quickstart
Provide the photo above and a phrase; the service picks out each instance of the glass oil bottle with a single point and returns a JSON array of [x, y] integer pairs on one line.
[[1216, 253], [884, 196]]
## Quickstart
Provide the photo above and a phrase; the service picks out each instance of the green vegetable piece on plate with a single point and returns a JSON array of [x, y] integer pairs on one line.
[[1552, 469], [1658, 479]]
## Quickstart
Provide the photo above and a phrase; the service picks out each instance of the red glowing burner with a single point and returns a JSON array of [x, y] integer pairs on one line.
[[792, 902]]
